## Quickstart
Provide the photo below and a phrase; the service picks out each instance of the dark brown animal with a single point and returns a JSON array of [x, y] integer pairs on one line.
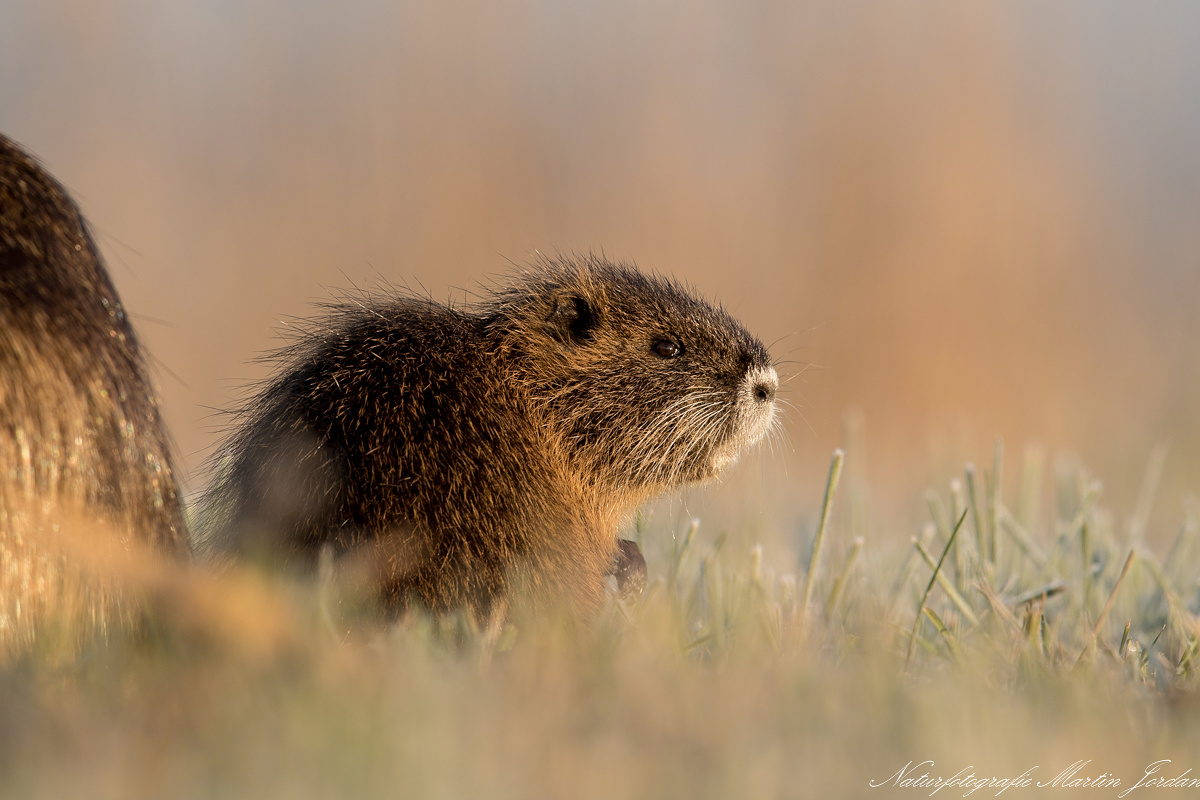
[[471, 449], [80, 432]]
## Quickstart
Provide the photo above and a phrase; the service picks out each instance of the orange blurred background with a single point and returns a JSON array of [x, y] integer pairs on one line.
[[963, 220]]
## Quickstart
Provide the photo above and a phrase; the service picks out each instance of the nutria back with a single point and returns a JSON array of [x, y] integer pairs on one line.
[[80, 430], [471, 448]]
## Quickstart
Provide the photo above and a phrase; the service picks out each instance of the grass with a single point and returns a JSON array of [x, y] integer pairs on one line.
[[997, 641]]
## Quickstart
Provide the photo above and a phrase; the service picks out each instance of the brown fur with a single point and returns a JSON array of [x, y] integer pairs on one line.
[[471, 448], [80, 432]]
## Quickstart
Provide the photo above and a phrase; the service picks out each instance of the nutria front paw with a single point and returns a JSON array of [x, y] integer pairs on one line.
[[629, 567]]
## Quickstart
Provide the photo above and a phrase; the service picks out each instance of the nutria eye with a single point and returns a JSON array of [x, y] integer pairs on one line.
[[666, 349]]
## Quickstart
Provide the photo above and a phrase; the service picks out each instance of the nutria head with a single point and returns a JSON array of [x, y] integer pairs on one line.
[[642, 385]]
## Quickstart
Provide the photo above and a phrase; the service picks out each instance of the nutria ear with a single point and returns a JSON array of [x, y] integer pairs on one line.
[[571, 321]]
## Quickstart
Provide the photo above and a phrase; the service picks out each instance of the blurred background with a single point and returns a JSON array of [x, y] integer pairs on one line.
[[953, 221]]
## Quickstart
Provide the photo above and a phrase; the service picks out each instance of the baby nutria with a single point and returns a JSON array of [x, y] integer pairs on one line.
[[80, 432], [471, 449]]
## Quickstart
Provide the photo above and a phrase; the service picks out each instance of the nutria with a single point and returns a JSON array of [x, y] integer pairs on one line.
[[473, 447], [80, 431]]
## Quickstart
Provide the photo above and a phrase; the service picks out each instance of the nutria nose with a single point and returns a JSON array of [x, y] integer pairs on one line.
[[765, 386]]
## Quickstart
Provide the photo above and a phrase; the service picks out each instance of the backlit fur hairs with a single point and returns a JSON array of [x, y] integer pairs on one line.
[[80, 431], [469, 448]]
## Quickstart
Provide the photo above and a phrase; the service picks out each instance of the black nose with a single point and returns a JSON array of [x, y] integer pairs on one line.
[[765, 387]]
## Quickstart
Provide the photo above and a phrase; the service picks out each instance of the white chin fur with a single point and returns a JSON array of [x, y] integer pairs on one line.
[[754, 417], [724, 460], [760, 423]]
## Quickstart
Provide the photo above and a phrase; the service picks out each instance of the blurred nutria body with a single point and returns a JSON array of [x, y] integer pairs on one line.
[[473, 448], [80, 432]]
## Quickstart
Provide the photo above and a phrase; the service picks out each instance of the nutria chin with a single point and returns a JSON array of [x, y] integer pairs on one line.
[[495, 444], [80, 431]]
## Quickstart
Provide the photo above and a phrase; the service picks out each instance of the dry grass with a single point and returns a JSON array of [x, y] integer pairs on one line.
[[1038, 644]]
